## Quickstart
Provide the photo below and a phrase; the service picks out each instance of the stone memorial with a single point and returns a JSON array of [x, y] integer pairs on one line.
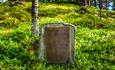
[[57, 43]]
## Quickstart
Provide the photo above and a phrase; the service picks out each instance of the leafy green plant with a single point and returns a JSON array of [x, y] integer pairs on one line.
[[9, 22]]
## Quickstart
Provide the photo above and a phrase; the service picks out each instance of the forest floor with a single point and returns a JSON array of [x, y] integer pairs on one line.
[[95, 38]]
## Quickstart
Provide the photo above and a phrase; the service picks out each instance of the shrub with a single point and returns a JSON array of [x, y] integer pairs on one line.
[[20, 14], [53, 12], [9, 22]]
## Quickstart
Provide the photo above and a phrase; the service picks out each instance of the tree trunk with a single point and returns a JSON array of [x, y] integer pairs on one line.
[[89, 2], [35, 18], [114, 3], [100, 6], [95, 3], [82, 2], [86, 4]]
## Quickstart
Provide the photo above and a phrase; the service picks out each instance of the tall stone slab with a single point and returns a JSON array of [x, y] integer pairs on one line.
[[57, 43]]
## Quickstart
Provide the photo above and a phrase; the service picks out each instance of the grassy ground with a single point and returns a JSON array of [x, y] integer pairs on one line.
[[95, 39]]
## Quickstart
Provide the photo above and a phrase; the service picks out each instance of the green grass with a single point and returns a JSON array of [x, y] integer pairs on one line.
[[95, 39]]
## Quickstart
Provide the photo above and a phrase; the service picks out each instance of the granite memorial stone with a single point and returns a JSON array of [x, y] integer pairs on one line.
[[57, 43]]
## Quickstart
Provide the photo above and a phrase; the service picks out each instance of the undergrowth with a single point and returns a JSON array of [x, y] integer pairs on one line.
[[95, 38]]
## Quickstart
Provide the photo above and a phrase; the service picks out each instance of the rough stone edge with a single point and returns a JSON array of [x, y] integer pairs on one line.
[[73, 42]]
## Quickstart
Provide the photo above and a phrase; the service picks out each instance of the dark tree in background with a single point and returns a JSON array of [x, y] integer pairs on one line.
[[95, 3], [81, 2], [104, 4], [35, 18], [114, 4], [85, 2]]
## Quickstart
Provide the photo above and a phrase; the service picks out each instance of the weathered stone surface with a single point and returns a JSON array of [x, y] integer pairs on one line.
[[57, 43]]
